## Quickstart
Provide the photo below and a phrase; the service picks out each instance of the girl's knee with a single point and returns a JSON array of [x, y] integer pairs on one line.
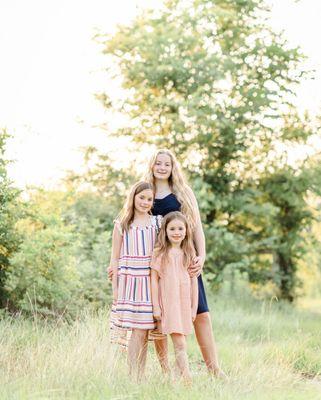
[[203, 319], [179, 342], [140, 334]]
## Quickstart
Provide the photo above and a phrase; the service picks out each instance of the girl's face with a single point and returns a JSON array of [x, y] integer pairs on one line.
[[176, 231], [162, 168], [143, 201]]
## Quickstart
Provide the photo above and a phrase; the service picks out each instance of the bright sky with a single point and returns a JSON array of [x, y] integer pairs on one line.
[[50, 68]]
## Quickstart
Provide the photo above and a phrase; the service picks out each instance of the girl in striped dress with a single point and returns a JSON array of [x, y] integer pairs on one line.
[[134, 237]]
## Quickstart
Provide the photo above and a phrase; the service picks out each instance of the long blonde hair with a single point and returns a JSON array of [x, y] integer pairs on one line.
[[126, 216], [177, 183], [163, 244]]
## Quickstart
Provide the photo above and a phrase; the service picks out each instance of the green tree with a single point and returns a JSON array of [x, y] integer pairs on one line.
[[9, 213], [287, 189], [92, 217], [211, 80], [42, 274]]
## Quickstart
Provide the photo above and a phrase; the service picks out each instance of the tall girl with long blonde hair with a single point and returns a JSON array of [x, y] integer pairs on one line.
[[174, 292], [172, 193], [133, 241]]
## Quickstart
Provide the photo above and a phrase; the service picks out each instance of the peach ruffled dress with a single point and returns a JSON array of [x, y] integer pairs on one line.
[[177, 293]]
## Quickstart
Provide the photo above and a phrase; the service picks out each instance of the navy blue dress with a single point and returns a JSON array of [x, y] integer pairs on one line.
[[163, 207]]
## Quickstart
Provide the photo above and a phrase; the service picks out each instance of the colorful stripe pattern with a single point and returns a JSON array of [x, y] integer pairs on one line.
[[133, 309]]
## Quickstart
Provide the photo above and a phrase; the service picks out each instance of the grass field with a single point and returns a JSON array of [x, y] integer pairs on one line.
[[269, 350]]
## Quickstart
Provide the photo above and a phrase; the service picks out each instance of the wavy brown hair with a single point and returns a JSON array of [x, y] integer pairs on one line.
[[163, 244], [127, 213], [177, 183]]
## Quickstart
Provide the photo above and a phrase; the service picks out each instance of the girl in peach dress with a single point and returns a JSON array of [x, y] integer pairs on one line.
[[174, 292]]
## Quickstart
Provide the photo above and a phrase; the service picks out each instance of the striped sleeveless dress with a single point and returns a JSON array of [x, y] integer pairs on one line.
[[133, 308]]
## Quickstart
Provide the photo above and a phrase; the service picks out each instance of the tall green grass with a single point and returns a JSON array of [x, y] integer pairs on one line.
[[268, 349]]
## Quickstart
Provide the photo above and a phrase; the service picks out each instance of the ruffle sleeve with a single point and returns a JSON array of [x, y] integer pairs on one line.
[[156, 264], [118, 227]]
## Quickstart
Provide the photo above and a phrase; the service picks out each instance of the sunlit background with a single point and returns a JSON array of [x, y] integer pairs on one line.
[[259, 206], [51, 68]]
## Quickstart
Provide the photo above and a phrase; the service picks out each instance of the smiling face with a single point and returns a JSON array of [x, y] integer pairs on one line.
[[162, 168], [143, 201], [176, 231]]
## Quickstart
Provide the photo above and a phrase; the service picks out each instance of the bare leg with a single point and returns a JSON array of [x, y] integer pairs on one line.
[[144, 355], [206, 342], [137, 349], [179, 342], [161, 348]]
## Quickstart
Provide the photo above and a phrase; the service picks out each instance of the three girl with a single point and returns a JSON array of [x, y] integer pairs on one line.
[[129, 246]]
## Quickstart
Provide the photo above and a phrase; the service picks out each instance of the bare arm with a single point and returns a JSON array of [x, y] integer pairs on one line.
[[115, 254], [199, 240], [194, 295], [156, 307]]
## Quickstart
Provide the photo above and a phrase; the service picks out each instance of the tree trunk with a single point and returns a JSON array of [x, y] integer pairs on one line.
[[286, 268]]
